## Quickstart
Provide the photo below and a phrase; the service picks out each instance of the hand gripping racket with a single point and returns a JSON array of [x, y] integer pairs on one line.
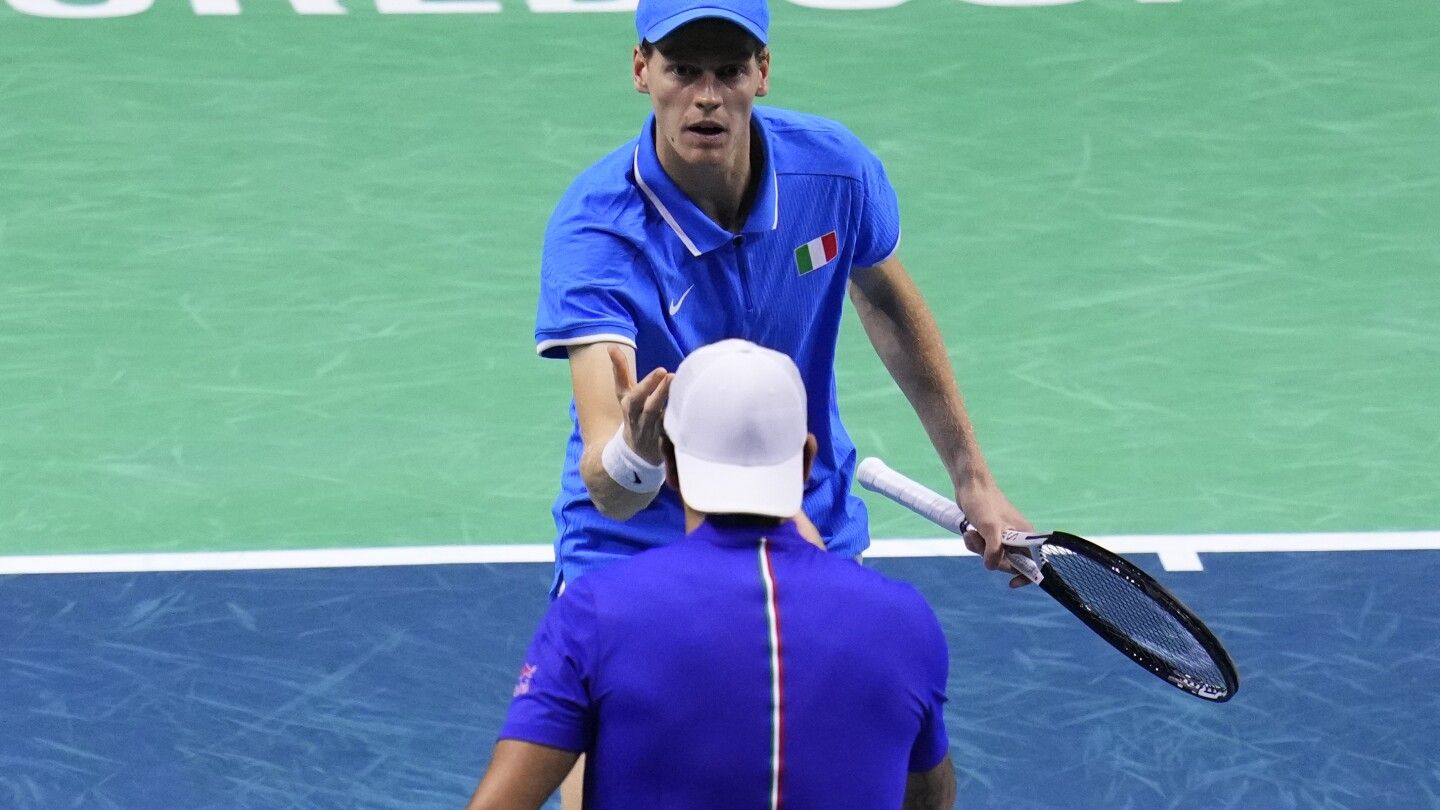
[[1121, 603]]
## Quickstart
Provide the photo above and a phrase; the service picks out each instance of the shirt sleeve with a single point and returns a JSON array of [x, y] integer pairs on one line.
[[932, 743], [584, 270], [878, 235], [551, 703]]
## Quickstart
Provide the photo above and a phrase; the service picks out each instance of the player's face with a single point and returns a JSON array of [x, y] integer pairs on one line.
[[703, 89]]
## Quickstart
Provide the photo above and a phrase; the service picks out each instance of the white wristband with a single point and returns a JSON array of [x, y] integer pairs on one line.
[[627, 467]]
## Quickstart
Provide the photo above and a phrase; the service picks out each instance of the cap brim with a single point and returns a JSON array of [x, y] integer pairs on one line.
[[667, 26], [713, 488]]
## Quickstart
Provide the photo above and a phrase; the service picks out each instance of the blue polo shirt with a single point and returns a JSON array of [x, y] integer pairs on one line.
[[734, 664], [629, 258]]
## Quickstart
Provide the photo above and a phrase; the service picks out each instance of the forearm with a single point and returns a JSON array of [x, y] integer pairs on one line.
[[907, 339]]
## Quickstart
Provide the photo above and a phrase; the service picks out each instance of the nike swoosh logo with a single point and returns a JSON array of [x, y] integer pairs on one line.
[[675, 305]]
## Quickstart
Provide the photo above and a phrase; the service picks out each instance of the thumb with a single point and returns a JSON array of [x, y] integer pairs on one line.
[[624, 377]]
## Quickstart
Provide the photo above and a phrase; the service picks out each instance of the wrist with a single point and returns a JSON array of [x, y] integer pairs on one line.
[[628, 468], [970, 475]]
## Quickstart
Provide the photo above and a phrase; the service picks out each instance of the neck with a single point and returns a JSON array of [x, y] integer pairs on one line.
[[722, 191], [693, 519]]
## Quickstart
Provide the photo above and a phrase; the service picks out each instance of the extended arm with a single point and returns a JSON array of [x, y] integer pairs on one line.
[[933, 789], [904, 333], [521, 776]]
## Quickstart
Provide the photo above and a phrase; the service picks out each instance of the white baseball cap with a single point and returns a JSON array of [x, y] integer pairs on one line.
[[736, 416]]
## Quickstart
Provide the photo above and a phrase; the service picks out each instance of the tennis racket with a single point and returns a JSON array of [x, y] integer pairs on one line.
[[1121, 603]]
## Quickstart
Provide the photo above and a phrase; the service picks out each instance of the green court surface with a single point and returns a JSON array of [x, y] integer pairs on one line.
[[268, 280]]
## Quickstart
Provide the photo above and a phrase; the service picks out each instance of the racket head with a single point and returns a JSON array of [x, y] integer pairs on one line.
[[1137, 615]]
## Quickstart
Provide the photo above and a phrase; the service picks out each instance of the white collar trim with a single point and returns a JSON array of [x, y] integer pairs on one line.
[[665, 212]]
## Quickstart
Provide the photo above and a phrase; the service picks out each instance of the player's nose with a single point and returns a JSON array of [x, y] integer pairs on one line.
[[707, 95]]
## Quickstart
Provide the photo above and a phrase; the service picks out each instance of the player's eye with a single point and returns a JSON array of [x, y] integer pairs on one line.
[[730, 73]]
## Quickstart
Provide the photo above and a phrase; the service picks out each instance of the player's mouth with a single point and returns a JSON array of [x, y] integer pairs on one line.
[[707, 132]]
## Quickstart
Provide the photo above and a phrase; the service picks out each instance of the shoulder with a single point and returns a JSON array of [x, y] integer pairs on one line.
[[603, 195], [811, 144], [597, 230], [897, 605], [913, 628]]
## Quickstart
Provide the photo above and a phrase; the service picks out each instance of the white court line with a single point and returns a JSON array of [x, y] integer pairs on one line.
[[1178, 552], [266, 560]]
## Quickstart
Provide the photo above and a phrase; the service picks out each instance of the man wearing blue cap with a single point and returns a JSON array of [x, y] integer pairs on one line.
[[727, 220], [721, 220], [739, 667]]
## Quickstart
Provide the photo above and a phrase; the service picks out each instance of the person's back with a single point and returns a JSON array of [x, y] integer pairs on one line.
[[740, 666], [691, 643]]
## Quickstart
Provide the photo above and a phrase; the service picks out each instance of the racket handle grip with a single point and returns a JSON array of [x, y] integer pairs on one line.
[[876, 476]]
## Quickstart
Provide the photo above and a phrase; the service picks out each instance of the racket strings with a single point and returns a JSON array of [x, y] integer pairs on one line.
[[1114, 599]]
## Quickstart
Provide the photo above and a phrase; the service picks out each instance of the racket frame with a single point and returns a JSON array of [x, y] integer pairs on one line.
[[1061, 592]]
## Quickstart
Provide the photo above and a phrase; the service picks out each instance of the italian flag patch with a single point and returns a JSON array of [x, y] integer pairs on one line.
[[817, 252]]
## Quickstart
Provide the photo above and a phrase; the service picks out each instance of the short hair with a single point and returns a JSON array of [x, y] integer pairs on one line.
[[738, 520]]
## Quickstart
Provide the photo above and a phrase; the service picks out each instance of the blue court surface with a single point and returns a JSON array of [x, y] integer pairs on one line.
[[384, 687]]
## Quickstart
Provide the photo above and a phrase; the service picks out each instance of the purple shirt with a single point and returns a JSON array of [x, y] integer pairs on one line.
[[733, 665]]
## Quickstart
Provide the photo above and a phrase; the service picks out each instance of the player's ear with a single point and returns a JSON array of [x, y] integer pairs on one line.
[[811, 447], [762, 61], [667, 455], [640, 68]]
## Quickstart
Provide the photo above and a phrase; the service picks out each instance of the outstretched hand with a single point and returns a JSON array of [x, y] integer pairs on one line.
[[642, 405], [991, 513]]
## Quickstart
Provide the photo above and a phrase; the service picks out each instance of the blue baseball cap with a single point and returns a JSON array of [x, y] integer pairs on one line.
[[657, 19]]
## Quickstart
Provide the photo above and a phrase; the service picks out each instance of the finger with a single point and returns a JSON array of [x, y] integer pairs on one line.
[[994, 553], [620, 367], [646, 386], [652, 408], [1019, 582], [640, 394], [976, 544], [1005, 565], [655, 403]]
